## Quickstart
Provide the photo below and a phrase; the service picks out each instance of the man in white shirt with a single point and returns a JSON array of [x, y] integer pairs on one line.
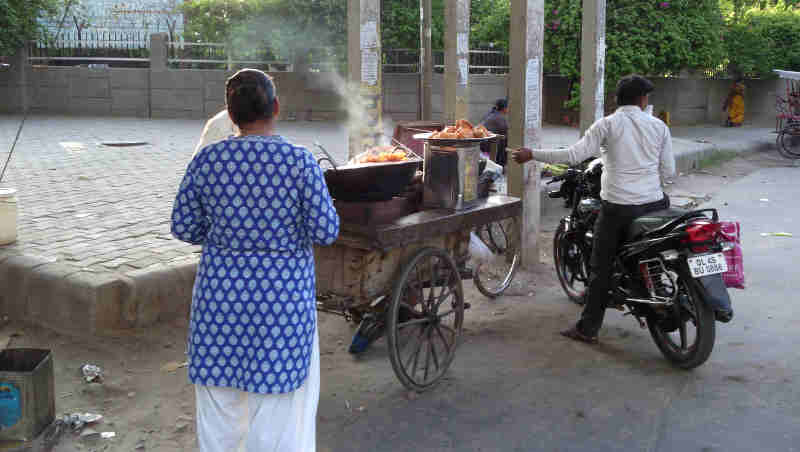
[[637, 160], [218, 128]]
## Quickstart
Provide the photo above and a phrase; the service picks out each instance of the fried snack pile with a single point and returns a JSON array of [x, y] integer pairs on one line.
[[382, 154], [462, 130]]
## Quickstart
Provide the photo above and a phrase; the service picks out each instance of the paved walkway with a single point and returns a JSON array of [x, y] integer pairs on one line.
[[101, 213], [101, 208]]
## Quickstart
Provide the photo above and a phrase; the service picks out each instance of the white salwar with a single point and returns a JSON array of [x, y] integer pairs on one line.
[[230, 420]]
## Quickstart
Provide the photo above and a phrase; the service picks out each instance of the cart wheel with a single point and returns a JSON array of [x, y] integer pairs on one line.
[[424, 320], [789, 141], [494, 277]]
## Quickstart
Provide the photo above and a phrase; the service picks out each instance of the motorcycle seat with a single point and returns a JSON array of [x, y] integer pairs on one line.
[[652, 221]]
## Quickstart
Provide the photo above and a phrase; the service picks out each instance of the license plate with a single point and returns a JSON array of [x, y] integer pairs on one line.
[[707, 264]]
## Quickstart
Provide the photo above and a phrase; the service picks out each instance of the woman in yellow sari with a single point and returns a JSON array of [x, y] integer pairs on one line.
[[734, 104]]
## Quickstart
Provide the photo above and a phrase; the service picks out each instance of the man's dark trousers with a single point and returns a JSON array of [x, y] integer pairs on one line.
[[609, 231]]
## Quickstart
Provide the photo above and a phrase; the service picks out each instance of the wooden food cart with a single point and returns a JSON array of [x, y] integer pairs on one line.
[[404, 279]]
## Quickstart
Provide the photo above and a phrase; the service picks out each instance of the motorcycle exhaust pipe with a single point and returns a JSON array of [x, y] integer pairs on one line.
[[650, 302]]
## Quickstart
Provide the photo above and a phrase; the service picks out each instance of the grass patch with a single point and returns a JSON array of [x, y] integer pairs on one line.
[[717, 158]]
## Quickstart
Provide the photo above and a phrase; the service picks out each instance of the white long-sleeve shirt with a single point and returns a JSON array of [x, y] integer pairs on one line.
[[216, 129], [637, 159]]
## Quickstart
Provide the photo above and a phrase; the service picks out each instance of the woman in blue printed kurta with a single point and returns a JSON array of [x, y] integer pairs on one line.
[[257, 204]]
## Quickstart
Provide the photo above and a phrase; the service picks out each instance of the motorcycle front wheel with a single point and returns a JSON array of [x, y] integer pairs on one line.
[[686, 335], [571, 265]]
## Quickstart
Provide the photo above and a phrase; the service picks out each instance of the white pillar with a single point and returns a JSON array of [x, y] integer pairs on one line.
[[426, 61], [456, 60], [364, 67], [593, 62], [525, 116]]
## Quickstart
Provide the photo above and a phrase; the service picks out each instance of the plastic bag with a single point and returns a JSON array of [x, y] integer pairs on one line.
[[731, 231], [478, 250]]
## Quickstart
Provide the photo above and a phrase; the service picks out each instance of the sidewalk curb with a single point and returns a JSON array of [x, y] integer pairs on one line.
[[68, 299]]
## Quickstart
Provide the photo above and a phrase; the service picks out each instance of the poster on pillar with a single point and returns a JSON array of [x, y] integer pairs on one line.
[[533, 95], [600, 69], [463, 72], [463, 44], [369, 66], [369, 35]]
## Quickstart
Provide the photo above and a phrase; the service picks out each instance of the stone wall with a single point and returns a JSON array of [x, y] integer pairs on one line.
[[159, 92]]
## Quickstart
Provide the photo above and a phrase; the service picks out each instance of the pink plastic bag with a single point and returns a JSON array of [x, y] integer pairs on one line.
[[732, 232]]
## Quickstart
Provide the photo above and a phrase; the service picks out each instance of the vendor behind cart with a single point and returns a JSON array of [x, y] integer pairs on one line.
[[497, 123]]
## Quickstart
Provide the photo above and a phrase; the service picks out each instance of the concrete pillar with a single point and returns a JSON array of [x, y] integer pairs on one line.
[[20, 67], [300, 61], [593, 62], [525, 117], [364, 67], [426, 61], [456, 60], [159, 54]]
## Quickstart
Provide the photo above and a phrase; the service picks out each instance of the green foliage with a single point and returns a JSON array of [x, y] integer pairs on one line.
[[282, 24], [763, 40], [400, 24], [736, 9], [647, 37], [490, 23], [19, 22]]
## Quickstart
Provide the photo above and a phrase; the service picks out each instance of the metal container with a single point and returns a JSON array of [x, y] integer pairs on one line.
[[27, 393], [451, 175]]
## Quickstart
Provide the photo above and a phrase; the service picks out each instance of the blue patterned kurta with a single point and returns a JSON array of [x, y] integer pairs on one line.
[[256, 204]]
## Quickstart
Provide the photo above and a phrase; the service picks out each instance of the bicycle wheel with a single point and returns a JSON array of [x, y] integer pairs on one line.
[[493, 277], [789, 141]]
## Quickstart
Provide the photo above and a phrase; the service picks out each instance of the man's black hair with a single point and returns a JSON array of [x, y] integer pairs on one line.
[[631, 87], [500, 104]]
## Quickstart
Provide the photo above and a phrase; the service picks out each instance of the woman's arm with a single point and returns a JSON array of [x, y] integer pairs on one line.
[[321, 219], [189, 219]]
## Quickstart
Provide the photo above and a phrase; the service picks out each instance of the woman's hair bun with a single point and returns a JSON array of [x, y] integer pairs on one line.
[[250, 96]]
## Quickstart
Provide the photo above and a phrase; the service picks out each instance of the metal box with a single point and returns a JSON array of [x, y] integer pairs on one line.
[[27, 387], [451, 175]]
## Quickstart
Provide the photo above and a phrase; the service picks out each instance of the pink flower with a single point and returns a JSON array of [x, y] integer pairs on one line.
[[664, 5], [555, 11]]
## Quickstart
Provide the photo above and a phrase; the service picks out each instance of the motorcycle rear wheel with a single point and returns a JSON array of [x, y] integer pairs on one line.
[[571, 265], [697, 313]]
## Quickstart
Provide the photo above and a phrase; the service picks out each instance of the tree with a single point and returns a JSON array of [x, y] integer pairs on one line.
[[736, 9], [648, 37], [763, 40], [19, 22]]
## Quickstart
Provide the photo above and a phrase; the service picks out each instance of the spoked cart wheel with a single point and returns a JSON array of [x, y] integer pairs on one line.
[[492, 278], [424, 319]]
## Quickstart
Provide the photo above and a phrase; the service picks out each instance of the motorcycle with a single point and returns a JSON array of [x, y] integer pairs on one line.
[[667, 272]]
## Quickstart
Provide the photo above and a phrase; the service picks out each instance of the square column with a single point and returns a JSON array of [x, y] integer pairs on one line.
[[364, 68], [593, 62], [525, 118], [456, 60], [425, 61]]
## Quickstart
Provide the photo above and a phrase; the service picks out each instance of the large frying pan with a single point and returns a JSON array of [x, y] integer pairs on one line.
[[369, 181]]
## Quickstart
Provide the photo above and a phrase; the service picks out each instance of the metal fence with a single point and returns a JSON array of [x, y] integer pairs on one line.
[[481, 61], [132, 48], [211, 55], [110, 48]]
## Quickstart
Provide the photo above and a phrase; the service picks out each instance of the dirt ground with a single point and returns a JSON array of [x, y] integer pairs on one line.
[[152, 408]]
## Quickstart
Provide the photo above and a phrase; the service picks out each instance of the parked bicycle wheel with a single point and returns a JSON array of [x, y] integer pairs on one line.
[[789, 141], [494, 276]]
